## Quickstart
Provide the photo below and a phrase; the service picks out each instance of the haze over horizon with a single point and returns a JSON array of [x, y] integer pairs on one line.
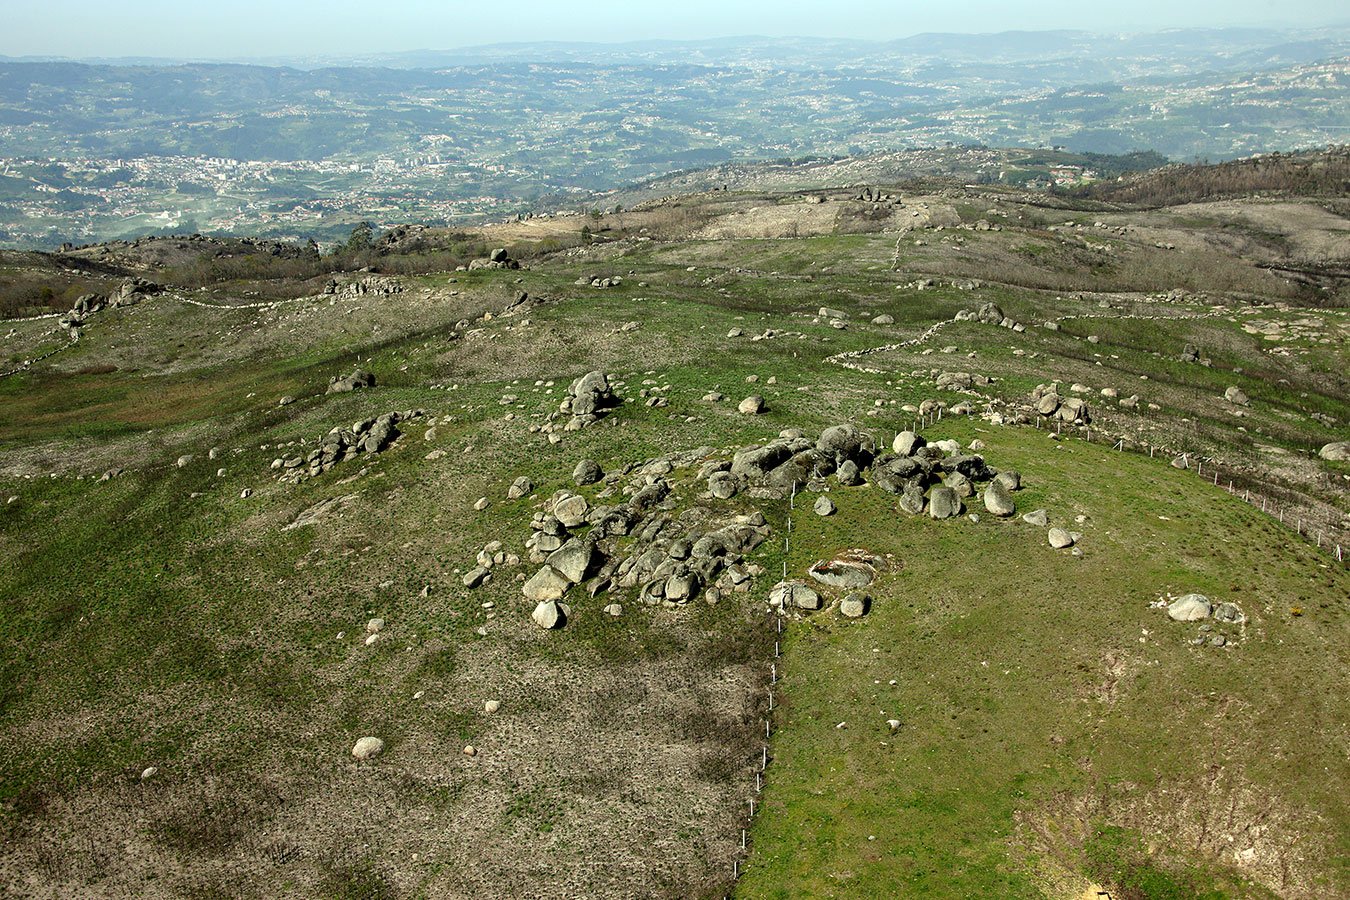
[[254, 29]]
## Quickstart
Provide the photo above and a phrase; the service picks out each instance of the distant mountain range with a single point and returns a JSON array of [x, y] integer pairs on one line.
[[92, 150]]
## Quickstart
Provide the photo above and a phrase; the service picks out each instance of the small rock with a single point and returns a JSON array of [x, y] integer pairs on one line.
[[723, 485], [824, 506], [794, 594], [752, 405], [1337, 451], [571, 510], [1059, 538], [997, 499], [1189, 608], [855, 605], [548, 615], [149, 772], [587, 471], [521, 487], [1037, 518], [547, 585], [368, 748], [943, 503], [374, 626], [481, 504], [906, 442], [491, 706]]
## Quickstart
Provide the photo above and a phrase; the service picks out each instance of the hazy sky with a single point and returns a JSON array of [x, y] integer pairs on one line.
[[243, 28]]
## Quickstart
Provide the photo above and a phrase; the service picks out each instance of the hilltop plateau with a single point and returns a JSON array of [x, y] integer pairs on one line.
[[830, 534]]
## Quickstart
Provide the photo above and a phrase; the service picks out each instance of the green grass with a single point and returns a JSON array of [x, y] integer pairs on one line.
[[1000, 645]]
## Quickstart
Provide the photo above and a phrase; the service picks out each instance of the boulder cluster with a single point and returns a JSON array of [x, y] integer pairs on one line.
[[373, 285], [1050, 404], [342, 444], [793, 461], [600, 281], [133, 291], [635, 536], [1199, 608], [961, 381], [492, 557], [989, 314], [588, 399], [497, 259], [345, 384], [937, 478], [669, 560], [931, 478]]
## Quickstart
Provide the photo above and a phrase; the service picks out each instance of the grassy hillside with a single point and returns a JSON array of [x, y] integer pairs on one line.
[[195, 615]]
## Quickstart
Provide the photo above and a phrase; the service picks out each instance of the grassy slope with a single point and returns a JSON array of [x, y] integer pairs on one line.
[[1023, 672], [144, 625]]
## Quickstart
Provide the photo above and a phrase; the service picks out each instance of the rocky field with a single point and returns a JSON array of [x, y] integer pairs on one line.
[[855, 542]]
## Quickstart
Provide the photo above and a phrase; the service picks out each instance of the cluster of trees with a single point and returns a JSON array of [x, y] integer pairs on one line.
[[1316, 173], [29, 295]]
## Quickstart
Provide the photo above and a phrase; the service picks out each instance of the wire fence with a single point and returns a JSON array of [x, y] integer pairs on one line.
[[1292, 514], [778, 615], [1287, 507]]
